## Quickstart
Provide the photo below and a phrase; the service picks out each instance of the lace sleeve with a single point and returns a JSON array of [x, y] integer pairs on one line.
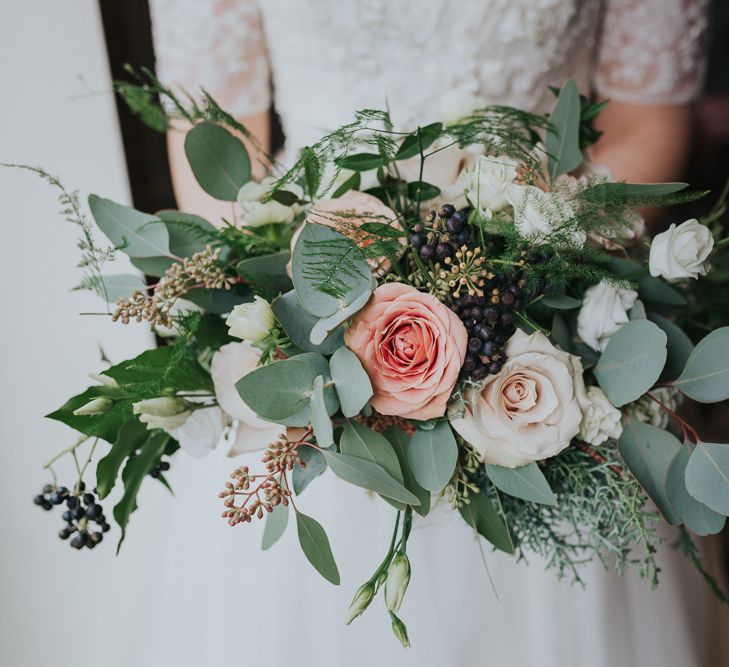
[[214, 44], [652, 51]]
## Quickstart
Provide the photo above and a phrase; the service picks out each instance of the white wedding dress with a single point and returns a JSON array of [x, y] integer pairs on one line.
[[219, 599]]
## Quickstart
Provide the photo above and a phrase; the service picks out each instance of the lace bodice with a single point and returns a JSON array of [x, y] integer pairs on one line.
[[425, 59]]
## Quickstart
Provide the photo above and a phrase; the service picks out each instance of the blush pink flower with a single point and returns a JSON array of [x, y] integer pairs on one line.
[[412, 348]]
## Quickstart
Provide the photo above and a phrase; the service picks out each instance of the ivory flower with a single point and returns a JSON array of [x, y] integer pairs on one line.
[[486, 181], [600, 420], [251, 321], [256, 212], [166, 412], [681, 252], [201, 432], [531, 410], [604, 310]]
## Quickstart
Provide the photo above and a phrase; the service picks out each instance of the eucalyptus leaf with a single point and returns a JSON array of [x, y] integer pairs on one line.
[[695, 515], [368, 475], [218, 160], [351, 382], [298, 322], [648, 452], [637, 312], [632, 361], [267, 273], [432, 456], [707, 476], [679, 346], [137, 234], [561, 333], [315, 545], [561, 302], [320, 421], [329, 270], [360, 441], [527, 482], [323, 327], [278, 390], [120, 286], [400, 442], [188, 233], [705, 378], [563, 133], [314, 465], [656, 291], [482, 514], [276, 522]]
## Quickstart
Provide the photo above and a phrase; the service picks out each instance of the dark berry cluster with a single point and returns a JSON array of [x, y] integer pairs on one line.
[[82, 509], [444, 233], [162, 466]]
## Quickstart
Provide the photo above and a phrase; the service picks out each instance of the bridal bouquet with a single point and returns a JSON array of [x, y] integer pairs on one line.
[[504, 340]]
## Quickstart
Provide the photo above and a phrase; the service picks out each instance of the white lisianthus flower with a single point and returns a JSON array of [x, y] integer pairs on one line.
[[201, 432], [600, 420], [539, 215], [604, 310], [681, 252], [96, 406], [486, 181], [396, 584], [256, 212], [165, 412], [229, 364], [251, 321]]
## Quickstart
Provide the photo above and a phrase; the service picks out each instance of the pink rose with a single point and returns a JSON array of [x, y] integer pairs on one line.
[[346, 214], [412, 347]]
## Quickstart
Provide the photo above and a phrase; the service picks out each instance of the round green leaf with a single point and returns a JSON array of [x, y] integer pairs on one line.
[[135, 233], [351, 382], [705, 378], [526, 482], [707, 476], [432, 456], [648, 451], [119, 286], [276, 522], [697, 516], [632, 361], [679, 346], [298, 323], [218, 160]]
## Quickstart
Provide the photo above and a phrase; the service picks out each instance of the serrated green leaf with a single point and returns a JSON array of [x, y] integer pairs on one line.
[[695, 515], [276, 522], [218, 160], [705, 378], [632, 361], [351, 382], [707, 476], [526, 482], [432, 456], [315, 545], [648, 451], [137, 234], [368, 475]]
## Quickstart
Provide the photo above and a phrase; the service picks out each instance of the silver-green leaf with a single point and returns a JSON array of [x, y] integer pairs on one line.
[[351, 382], [315, 545], [705, 378], [276, 522], [527, 482], [432, 456], [707, 476]]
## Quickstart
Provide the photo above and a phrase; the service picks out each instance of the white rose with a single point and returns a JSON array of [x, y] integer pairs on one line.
[[229, 364], [202, 431], [251, 321], [604, 310], [600, 420], [539, 215], [681, 252], [256, 212], [486, 181], [531, 410], [164, 412]]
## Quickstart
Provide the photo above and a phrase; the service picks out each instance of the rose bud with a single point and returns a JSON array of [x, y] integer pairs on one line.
[[251, 321]]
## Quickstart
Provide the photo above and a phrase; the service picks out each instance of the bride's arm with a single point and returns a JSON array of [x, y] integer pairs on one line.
[[217, 45], [650, 65]]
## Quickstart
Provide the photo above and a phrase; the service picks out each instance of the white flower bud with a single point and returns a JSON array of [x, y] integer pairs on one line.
[[681, 252], [398, 578], [95, 406], [360, 602], [165, 412], [106, 380], [251, 321], [257, 213], [400, 631]]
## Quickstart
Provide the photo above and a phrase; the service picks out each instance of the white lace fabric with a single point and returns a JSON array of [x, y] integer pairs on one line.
[[326, 58]]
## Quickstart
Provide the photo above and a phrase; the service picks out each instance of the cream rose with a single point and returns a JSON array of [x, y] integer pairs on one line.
[[347, 214], [600, 420], [681, 252], [256, 212], [412, 348], [201, 432], [531, 410], [487, 180], [604, 310], [251, 321], [229, 364]]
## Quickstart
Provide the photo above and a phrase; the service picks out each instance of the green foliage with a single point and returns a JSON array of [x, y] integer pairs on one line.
[[432, 456], [320, 421], [705, 378], [276, 523], [267, 274], [351, 382], [315, 545], [563, 146], [526, 482], [482, 513], [132, 435], [298, 322], [707, 476], [314, 465], [400, 442]]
